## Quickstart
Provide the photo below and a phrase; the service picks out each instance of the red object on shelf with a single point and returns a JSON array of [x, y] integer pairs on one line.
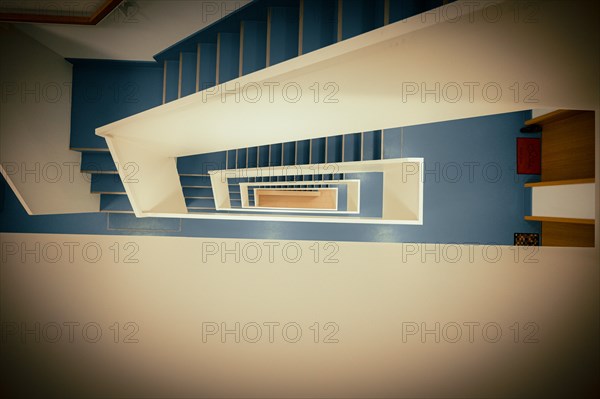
[[529, 156]]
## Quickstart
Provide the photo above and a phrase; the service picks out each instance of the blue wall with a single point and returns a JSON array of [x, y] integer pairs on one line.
[[106, 91], [459, 206]]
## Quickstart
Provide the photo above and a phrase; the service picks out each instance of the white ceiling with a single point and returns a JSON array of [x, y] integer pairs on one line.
[[150, 27]]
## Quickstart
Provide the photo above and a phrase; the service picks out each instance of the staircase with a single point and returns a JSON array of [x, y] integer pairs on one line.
[[193, 170], [258, 35]]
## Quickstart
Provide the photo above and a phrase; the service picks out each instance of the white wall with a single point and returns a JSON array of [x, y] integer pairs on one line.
[[35, 121], [180, 283], [564, 201]]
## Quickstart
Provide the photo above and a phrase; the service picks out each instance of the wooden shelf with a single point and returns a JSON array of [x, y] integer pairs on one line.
[[560, 182], [567, 235], [552, 117], [559, 220], [288, 193], [568, 146], [324, 198]]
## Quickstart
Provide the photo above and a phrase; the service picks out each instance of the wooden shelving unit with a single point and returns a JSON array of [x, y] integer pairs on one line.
[[568, 157]]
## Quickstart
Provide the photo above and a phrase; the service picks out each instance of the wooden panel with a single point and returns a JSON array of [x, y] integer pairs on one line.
[[560, 182], [553, 116], [322, 199], [287, 193], [568, 148], [567, 235], [559, 220]]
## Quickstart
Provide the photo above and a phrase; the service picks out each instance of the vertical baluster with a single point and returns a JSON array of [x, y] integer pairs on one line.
[[198, 67], [362, 145], [339, 20], [268, 60], [241, 66], [164, 99], [300, 27], [180, 72], [386, 12]]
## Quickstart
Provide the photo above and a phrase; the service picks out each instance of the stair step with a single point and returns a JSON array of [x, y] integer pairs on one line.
[[201, 164], [235, 196], [276, 150], [114, 203], [352, 147], [264, 152], [195, 181], [254, 51], [360, 16], [213, 210], [319, 24], [303, 152], [371, 145], [241, 156], [129, 222], [289, 153], [188, 73], [200, 202], [203, 210], [392, 143], [197, 192], [228, 53], [282, 26], [317, 150], [237, 192], [334, 149], [208, 65], [402, 9], [97, 162], [253, 157], [230, 159], [107, 183], [171, 84]]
